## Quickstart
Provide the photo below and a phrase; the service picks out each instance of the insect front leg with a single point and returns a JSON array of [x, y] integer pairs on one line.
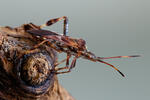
[[73, 63], [66, 67], [67, 61], [53, 21], [63, 68], [58, 63]]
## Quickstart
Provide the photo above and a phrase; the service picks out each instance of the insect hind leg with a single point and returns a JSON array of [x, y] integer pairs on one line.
[[53, 21]]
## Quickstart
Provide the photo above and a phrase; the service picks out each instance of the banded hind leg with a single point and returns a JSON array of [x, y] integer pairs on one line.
[[53, 21]]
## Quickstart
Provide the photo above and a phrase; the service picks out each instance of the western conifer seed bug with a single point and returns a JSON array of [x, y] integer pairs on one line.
[[70, 46]]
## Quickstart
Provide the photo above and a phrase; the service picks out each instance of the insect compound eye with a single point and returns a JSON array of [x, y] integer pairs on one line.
[[34, 74], [82, 43]]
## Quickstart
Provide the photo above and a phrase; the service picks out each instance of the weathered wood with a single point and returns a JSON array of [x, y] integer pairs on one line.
[[27, 75]]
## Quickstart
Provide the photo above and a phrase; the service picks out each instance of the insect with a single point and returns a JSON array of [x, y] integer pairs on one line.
[[70, 46]]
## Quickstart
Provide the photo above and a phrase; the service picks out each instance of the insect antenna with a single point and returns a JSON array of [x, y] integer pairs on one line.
[[119, 57], [111, 66]]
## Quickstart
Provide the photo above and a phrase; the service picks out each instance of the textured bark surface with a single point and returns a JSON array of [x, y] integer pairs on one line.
[[27, 75]]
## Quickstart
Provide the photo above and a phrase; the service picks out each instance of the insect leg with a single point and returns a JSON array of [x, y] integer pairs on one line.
[[63, 71], [68, 57], [62, 68], [52, 21], [71, 66], [60, 62], [73, 63], [66, 67], [57, 70], [67, 60]]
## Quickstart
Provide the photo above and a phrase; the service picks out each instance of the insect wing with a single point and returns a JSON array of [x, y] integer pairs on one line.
[[70, 41], [41, 33], [57, 38], [45, 34]]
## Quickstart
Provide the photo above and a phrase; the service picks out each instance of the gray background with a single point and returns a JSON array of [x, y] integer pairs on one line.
[[111, 28]]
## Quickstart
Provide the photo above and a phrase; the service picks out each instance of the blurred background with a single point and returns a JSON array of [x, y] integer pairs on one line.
[[111, 28]]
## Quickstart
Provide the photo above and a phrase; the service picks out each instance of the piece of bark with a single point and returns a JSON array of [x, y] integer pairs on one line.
[[27, 76]]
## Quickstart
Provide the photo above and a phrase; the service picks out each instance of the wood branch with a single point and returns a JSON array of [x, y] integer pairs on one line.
[[27, 75]]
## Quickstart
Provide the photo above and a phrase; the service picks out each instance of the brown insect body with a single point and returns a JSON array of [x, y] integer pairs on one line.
[[64, 43], [76, 47], [69, 45]]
